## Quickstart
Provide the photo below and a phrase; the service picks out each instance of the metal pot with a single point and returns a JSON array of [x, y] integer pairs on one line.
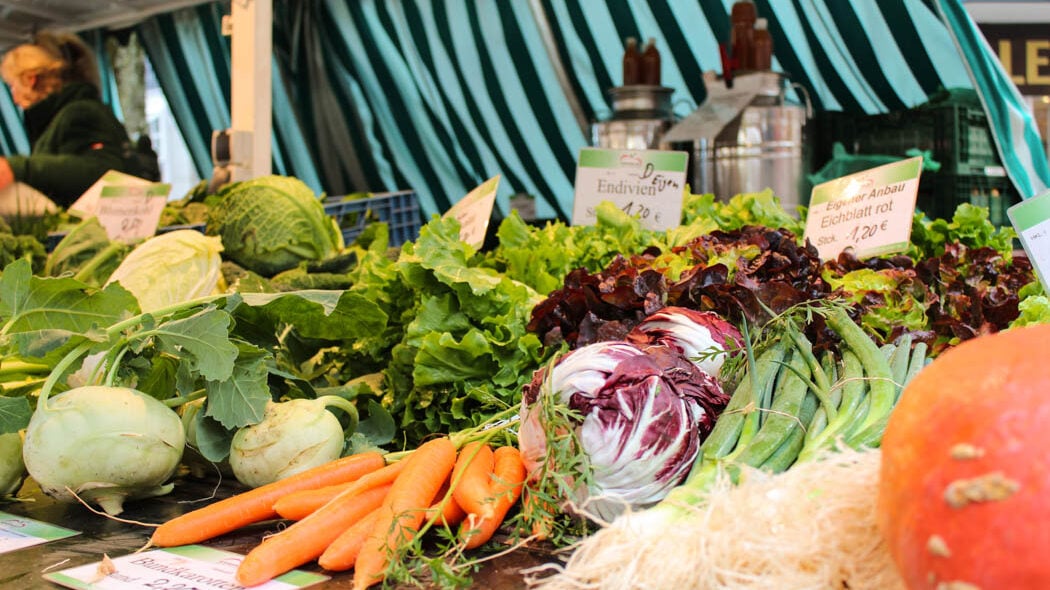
[[641, 114], [762, 147]]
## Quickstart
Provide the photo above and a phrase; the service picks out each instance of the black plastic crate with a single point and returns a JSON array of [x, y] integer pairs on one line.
[[956, 135], [896, 133], [940, 193], [400, 210]]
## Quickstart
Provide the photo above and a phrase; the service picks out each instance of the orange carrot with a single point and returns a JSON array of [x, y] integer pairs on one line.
[[509, 477], [343, 551], [446, 511], [472, 477], [299, 505], [404, 509], [539, 513], [257, 505], [305, 540]]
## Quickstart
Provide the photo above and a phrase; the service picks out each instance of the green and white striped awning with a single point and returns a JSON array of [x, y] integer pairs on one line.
[[459, 91], [438, 96]]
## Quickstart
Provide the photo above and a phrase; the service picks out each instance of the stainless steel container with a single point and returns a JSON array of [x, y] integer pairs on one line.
[[641, 115], [760, 148]]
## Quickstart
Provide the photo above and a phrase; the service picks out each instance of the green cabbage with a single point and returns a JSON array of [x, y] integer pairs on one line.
[[171, 268], [273, 223]]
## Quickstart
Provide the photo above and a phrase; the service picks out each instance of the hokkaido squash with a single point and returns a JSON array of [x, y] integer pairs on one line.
[[964, 489]]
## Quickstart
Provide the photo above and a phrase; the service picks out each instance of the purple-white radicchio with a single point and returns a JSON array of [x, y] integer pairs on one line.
[[695, 334], [644, 415]]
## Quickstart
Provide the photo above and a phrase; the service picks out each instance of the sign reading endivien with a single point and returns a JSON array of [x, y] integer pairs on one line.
[[648, 184], [870, 211]]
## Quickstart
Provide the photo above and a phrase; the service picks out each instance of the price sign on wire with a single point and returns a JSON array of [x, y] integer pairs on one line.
[[178, 568], [648, 184], [870, 211], [1031, 220]]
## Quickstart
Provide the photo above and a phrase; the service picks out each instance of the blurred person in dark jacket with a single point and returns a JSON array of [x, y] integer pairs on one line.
[[75, 137]]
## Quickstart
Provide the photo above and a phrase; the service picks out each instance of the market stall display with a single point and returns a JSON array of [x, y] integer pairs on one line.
[[726, 350]]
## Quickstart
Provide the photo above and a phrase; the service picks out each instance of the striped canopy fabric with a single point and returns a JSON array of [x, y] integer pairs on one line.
[[378, 95]]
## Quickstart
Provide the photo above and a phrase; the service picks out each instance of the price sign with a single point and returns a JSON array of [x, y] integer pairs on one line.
[[648, 184], [474, 212], [1031, 220], [128, 207], [192, 567], [870, 211], [130, 212], [17, 532]]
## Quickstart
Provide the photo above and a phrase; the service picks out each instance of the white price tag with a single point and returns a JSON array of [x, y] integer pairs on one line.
[[179, 568], [870, 211], [17, 532], [131, 213], [1031, 220], [648, 184], [128, 207], [474, 212]]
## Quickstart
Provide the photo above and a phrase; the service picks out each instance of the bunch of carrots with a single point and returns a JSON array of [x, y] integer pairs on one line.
[[360, 511]]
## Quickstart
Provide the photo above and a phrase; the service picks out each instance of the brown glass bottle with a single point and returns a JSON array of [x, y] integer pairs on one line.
[[632, 63], [742, 19], [651, 64], [762, 47]]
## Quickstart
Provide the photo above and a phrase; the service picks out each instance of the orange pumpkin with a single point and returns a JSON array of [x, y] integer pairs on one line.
[[964, 494]]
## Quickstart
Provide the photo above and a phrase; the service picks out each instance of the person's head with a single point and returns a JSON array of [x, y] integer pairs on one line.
[[37, 69]]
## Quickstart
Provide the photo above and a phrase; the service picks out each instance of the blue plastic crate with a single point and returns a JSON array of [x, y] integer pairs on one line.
[[400, 210]]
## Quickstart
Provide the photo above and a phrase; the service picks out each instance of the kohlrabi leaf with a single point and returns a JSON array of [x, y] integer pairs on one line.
[[241, 399], [14, 414], [35, 309], [202, 340], [375, 429], [332, 315], [213, 441]]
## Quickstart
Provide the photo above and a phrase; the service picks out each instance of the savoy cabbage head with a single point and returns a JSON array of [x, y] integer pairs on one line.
[[272, 223]]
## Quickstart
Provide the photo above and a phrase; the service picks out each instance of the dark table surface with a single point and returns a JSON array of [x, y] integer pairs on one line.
[[100, 536]]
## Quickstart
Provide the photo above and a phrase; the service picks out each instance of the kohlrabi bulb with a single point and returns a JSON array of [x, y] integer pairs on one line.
[[12, 468], [293, 436], [104, 445]]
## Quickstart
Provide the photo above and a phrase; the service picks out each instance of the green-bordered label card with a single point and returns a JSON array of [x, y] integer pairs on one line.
[[474, 212], [648, 184], [127, 207], [870, 211], [1031, 220], [178, 568], [17, 532]]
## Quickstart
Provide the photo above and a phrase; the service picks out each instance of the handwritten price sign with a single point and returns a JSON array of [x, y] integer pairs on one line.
[[648, 184], [130, 213], [870, 212]]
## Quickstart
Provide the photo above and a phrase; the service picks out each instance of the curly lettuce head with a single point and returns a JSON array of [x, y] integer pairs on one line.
[[272, 223]]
